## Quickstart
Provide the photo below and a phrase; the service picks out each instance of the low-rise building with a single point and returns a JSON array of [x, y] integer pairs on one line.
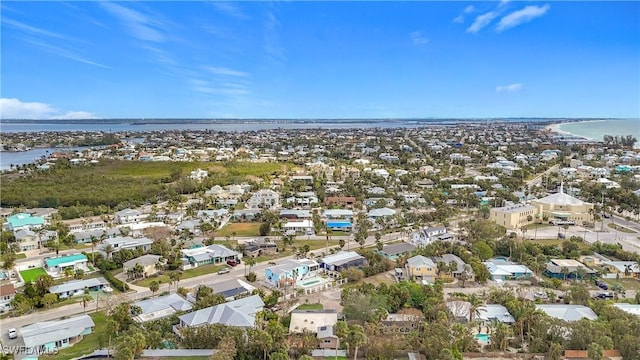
[[212, 254], [514, 216], [311, 320], [161, 307], [567, 269], [290, 271], [567, 312], [129, 216], [342, 261], [77, 287], [124, 242], [7, 293], [502, 269], [237, 313], [58, 265], [428, 235], [394, 251], [403, 323], [24, 221], [148, 262], [421, 267], [58, 334]]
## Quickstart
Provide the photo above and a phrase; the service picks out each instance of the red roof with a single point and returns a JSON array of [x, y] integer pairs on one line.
[[7, 289]]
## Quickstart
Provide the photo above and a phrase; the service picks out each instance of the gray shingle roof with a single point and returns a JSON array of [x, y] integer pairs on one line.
[[42, 333], [239, 313]]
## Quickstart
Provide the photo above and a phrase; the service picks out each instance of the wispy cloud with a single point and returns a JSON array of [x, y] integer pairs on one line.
[[36, 30], [509, 88], [12, 108], [482, 21], [521, 16], [225, 71], [229, 9], [469, 9], [271, 37], [418, 38], [139, 25], [62, 52]]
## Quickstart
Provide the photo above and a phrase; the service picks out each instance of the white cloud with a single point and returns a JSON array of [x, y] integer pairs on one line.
[[229, 9], [469, 9], [521, 16], [139, 25], [418, 38], [225, 71], [272, 45], [509, 88], [11, 108], [482, 21], [458, 19]]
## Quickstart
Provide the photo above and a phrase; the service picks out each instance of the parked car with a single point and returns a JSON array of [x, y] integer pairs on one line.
[[232, 262], [560, 236], [541, 295], [13, 333], [223, 271], [272, 263], [604, 296], [602, 285]]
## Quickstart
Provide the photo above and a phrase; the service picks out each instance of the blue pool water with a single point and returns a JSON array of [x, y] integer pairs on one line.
[[483, 337]]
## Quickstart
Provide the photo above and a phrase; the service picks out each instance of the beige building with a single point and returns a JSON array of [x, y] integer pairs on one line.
[[513, 216], [564, 207]]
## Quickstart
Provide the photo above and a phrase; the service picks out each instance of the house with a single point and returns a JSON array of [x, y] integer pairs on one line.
[[290, 271], [212, 254], [24, 221], [339, 201], [212, 214], [148, 263], [295, 214], [161, 307], [257, 248], [264, 199], [327, 338], [7, 293], [237, 313], [338, 214], [230, 289], [27, 239], [198, 174], [567, 312], [77, 287], [48, 336], [428, 235], [342, 260], [403, 323], [394, 251], [295, 227], [421, 267], [85, 236], [337, 225], [58, 265], [384, 212], [461, 266], [502, 269], [311, 320], [567, 269], [620, 269], [633, 309], [124, 242], [494, 313], [129, 216]]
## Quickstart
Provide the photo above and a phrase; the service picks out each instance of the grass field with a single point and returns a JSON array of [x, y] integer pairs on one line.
[[315, 306], [621, 228], [240, 229], [32, 274], [187, 274], [97, 339], [627, 284]]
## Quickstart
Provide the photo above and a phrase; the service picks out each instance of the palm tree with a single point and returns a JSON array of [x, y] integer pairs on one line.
[[154, 286], [475, 306], [565, 271], [86, 299], [251, 262], [357, 338], [94, 241], [108, 250]]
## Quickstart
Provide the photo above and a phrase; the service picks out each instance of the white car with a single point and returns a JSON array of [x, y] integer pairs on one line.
[[13, 333], [107, 289]]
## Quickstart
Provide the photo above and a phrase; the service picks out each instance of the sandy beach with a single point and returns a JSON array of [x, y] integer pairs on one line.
[[555, 128]]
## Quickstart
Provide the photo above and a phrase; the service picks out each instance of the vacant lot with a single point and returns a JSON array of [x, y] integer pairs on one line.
[[239, 229], [32, 274]]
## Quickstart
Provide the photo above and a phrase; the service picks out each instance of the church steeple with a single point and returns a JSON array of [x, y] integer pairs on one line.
[[561, 187]]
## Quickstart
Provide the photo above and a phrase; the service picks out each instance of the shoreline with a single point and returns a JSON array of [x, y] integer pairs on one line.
[[555, 128]]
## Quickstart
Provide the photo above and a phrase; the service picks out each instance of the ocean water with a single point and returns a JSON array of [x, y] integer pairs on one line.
[[597, 129]]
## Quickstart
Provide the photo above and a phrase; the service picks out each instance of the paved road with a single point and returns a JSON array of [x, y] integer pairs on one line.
[[538, 179]]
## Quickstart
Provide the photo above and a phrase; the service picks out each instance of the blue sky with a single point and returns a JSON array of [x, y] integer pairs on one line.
[[320, 59]]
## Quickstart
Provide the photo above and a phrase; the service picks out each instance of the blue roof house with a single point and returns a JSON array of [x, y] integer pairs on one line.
[[24, 221]]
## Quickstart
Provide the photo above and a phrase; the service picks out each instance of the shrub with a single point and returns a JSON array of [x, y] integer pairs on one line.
[[251, 277], [118, 284]]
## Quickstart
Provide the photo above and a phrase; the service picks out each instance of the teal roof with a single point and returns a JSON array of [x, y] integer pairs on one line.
[[65, 259], [24, 219]]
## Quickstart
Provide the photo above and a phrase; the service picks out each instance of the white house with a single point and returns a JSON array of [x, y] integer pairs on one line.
[[129, 216], [125, 242], [198, 174]]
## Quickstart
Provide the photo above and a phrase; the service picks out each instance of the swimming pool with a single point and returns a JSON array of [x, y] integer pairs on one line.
[[483, 337], [311, 282]]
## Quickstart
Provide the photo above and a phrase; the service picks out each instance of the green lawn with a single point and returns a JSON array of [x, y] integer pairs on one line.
[[621, 228], [313, 245], [315, 306], [627, 284], [187, 274], [21, 256], [32, 274], [240, 229], [94, 341], [534, 226]]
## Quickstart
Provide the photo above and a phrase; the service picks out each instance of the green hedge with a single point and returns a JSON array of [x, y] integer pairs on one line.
[[118, 284]]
